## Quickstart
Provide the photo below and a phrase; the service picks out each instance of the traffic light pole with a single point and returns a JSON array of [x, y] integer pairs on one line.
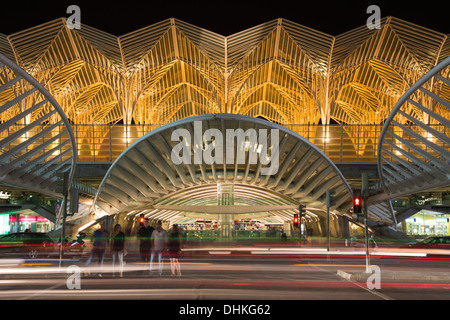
[[328, 228], [301, 210], [64, 216], [300, 228], [365, 194], [366, 233], [330, 199]]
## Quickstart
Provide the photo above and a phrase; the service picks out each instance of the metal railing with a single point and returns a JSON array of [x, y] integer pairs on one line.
[[341, 143]]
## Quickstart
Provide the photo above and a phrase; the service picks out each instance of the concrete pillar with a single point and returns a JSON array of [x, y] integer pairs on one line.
[[226, 224], [225, 196]]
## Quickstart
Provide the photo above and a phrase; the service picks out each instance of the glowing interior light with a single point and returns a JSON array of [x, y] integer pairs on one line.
[[397, 152], [429, 136], [126, 134], [25, 136], [247, 145], [260, 146], [56, 152], [326, 134], [4, 223]]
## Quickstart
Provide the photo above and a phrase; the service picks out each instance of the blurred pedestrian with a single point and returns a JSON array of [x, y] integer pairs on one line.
[[98, 247], [174, 249], [159, 243], [145, 246], [118, 248]]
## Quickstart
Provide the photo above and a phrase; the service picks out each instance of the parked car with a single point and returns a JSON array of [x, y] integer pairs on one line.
[[27, 245], [436, 242]]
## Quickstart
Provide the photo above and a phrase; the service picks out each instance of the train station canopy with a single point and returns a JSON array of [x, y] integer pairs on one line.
[[280, 70], [284, 71], [245, 175]]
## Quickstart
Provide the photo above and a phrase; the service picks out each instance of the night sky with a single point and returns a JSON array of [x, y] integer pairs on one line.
[[224, 17]]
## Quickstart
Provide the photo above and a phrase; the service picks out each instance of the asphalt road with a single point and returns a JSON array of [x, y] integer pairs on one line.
[[224, 277]]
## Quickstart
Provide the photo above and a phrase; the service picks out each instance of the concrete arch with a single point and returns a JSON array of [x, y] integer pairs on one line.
[[36, 152], [414, 156], [145, 179]]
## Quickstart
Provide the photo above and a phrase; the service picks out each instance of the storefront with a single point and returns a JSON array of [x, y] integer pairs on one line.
[[19, 221], [197, 225], [427, 223], [249, 225]]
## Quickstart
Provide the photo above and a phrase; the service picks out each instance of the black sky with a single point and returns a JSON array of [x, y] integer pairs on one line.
[[224, 17]]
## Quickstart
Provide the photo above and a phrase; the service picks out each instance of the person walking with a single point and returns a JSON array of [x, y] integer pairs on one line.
[[159, 243], [98, 247], [174, 248], [118, 248], [145, 246]]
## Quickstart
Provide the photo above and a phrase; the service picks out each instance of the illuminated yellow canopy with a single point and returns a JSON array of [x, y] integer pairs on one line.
[[279, 70]]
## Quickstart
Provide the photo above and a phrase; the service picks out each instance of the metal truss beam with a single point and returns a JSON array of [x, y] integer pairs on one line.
[[36, 140]]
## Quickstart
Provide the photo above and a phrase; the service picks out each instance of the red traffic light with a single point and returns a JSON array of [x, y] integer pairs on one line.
[[356, 205], [295, 220]]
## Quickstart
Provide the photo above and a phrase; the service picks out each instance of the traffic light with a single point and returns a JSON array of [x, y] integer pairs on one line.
[[141, 219], [330, 199], [357, 204], [295, 220], [301, 211]]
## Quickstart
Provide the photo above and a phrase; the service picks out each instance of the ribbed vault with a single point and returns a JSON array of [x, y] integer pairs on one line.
[[281, 70], [146, 178]]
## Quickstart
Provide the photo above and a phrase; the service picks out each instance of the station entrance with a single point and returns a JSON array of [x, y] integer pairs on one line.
[[225, 175]]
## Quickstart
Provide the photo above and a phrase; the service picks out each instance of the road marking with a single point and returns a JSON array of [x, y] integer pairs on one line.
[[373, 291]]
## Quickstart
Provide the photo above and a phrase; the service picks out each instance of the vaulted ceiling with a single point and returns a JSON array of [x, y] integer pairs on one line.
[[280, 70]]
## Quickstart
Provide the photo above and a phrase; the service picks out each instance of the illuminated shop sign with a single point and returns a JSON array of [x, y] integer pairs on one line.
[[28, 219], [4, 225]]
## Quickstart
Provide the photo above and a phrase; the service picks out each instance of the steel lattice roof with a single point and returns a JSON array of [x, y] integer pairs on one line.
[[280, 70]]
